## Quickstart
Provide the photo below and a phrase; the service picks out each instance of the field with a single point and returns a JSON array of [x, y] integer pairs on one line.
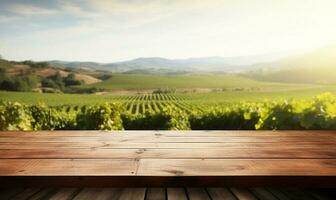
[[238, 104], [138, 93], [187, 82], [139, 103]]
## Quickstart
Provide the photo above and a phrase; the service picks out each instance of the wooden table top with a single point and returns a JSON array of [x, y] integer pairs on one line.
[[166, 194], [169, 154]]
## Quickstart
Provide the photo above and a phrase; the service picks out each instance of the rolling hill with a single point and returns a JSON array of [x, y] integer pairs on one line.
[[42, 77], [190, 83], [315, 67], [19, 69], [158, 65]]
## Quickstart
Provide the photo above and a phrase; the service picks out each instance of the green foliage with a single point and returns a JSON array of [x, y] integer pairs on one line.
[[100, 117], [50, 118], [71, 80], [4, 63], [14, 116], [235, 117], [78, 90], [164, 91], [104, 75], [170, 118], [279, 115], [60, 83], [49, 83], [16, 83], [36, 64], [56, 81], [28, 76], [318, 113], [19, 83]]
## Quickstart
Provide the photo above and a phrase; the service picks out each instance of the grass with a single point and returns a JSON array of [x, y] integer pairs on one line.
[[55, 99], [195, 98], [257, 96], [137, 81], [232, 88]]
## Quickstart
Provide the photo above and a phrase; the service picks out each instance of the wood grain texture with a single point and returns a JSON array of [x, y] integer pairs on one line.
[[210, 153], [176, 194], [133, 194], [65, 194], [237, 167], [197, 133], [166, 139], [169, 158], [221, 193], [156, 194], [61, 167], [243, 194], [159, 193], [198, 194]]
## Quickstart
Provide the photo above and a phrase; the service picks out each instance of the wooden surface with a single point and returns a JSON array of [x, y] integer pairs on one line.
[[168, 158], [165, 194]]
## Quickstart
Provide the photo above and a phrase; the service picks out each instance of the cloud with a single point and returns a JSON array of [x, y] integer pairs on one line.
[[123, 14], [130, 12], [7, 19], [30, 10], [134, 7], [105, 30], [75, 8]]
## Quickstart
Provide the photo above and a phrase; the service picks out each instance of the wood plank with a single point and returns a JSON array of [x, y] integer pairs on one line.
[[9, 193], [168, 158], [176, 194], [139, 139], [169, 134], [277, 193], [133, 194], [197, 194], [26, 194], [62, 167], [220, 194], [156, 194], [99, 194], [243, 194], [88, 194], [124, 145], [263, 194], [318, 195], [198, 133], [85, 193], [297, 194], [139, 194], [237, 167], [45, 193], [210, 153], [109, 194], [65, 194]]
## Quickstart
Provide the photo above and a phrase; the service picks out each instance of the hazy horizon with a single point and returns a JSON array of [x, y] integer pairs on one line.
[[270, 57], [111, 31]]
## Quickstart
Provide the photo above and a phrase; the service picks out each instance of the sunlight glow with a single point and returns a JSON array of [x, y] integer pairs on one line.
[[106, 31]]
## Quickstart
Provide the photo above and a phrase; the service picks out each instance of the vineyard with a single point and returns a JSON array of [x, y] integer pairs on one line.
[[189, 98], [140, 104], [172, 112]]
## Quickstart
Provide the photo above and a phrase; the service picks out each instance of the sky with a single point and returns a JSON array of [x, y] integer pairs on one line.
[[116, 30]]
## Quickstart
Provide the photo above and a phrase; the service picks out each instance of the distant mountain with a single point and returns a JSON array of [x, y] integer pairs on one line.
[[81, 65], [172, 66], [318, 66]]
